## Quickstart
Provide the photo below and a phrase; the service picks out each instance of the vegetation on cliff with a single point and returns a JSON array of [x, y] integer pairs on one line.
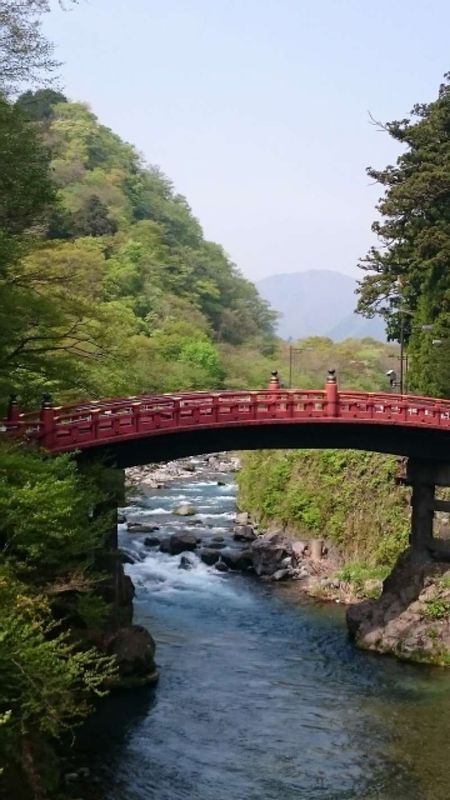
[[347, 497]]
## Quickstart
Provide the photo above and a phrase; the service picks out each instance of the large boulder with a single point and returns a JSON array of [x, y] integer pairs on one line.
[[271, 552], [244, 533], [184, 510], [237, 559], [411, 618], [152, 541], [141, 527], [209, 556], [178, 542], [134, 651]]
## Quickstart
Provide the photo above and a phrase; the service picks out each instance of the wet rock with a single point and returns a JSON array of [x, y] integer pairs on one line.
[[281, 574], [218, 539], [134, 650], [220, 566], [184, 510], [152, 541], [237, 559], [121, 519], [271, 552], [185, 563], [221, 483], [209, 556], [244, 533], [141, 527], [178, 542], [243, 518], [189, 467], [214, 544]]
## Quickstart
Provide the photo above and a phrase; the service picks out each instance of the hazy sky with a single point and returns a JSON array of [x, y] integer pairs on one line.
[[258, 109]]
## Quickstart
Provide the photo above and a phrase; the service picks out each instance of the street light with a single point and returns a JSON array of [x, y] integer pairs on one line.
[[293, 351]]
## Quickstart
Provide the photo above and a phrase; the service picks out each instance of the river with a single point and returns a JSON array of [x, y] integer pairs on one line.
[[261, 695]]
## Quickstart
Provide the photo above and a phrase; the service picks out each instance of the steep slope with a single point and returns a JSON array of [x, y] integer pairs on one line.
[[317, 303]]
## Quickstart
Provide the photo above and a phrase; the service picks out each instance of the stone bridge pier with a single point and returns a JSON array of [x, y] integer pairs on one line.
[[424, 475]]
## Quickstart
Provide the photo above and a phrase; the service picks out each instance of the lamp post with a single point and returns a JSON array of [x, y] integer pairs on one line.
[[294, 351]]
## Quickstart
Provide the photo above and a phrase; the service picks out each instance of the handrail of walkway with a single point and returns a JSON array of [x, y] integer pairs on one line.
[[96, 422]]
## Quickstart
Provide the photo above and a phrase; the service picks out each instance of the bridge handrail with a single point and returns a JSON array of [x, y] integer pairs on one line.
[[90, 422]]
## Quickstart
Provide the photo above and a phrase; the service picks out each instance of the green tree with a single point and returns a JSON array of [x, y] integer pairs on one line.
[[408, 275]]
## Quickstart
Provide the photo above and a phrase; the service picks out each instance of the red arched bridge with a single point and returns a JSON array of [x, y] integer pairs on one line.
[[151, 428]]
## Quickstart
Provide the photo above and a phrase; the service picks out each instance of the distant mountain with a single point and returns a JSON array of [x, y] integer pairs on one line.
[[318, 303]]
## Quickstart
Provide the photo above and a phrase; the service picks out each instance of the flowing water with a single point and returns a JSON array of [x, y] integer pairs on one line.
[[261, 696]]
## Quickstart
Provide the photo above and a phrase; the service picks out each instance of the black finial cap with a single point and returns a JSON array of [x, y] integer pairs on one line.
[[47, 400]]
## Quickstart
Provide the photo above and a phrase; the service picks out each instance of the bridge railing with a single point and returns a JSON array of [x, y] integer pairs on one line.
[[93, 422]]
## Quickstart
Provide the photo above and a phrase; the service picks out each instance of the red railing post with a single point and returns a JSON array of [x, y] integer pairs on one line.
[[13, 412], [136, 414], [274, 383], [331, 395], [95, 418], [47, 420]]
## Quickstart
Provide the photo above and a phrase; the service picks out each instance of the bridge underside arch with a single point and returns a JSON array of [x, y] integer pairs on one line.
[[414, 442]]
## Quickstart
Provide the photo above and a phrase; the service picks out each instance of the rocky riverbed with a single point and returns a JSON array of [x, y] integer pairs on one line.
[[270, 555]]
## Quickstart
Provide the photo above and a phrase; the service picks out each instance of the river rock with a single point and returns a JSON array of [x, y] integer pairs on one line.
[[220, 566], [185, 563], [209, 556], [243, 518], [237, 559], [178, 542], [244, 533], [216, 539], [152, 541], [271, 552], [184, 510], [134, 650], [281, 574], [141, 527], [121, 519]]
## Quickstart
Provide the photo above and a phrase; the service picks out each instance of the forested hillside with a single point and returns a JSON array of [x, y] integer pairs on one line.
[[107, 286], [116, 290]]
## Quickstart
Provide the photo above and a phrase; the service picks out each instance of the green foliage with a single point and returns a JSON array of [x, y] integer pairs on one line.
[[437, 609], [125, 295], [45, 681], [49, 543], [44, 513], [408, 276], [92, 610], [346, 496], [358, 573]]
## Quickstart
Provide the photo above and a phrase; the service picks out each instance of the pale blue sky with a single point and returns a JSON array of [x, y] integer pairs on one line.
[[258, 109]]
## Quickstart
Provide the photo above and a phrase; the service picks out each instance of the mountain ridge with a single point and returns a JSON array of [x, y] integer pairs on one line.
[[318, 303]]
